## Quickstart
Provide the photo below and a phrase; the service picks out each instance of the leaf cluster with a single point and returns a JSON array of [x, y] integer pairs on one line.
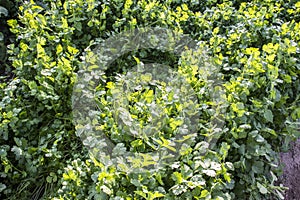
[[253, 44]]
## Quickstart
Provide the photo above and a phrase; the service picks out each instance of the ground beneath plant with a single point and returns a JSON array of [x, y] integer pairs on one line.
[[291, 172]]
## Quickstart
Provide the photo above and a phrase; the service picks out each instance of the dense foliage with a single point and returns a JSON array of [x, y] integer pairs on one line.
[[8, 10], [256, 46]]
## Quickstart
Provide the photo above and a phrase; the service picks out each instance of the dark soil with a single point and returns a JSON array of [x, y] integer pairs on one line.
[[291, 171]]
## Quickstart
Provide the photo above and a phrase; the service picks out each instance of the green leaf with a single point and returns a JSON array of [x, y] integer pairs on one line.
[[157, 195], [268, 115], [210, 172], [215, 166], [18, 151], [106, 189], [64, 23], [18, 141], [262, 189], [3, 152], [204, 193], [49, 179], [1, 36], [177, 177], [125, 116], [147, 77], [202, 147], [165, 143], [2, 187], [119, 149], [149, 96], [141, 193], [59, 49], [291, 49], [72, 50], [3, 11], [174, 123], [178, 189]]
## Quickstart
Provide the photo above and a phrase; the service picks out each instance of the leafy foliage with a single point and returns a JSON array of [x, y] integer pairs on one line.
[[256, 46], [8, 10]]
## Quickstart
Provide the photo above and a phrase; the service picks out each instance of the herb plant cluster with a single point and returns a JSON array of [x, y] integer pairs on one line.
[[8, 10], [255, 46]]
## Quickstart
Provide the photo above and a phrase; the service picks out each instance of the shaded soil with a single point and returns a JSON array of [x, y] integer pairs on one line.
[[291, 171]]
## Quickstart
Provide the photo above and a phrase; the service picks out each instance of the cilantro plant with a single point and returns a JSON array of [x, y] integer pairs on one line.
[[254, 45]]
